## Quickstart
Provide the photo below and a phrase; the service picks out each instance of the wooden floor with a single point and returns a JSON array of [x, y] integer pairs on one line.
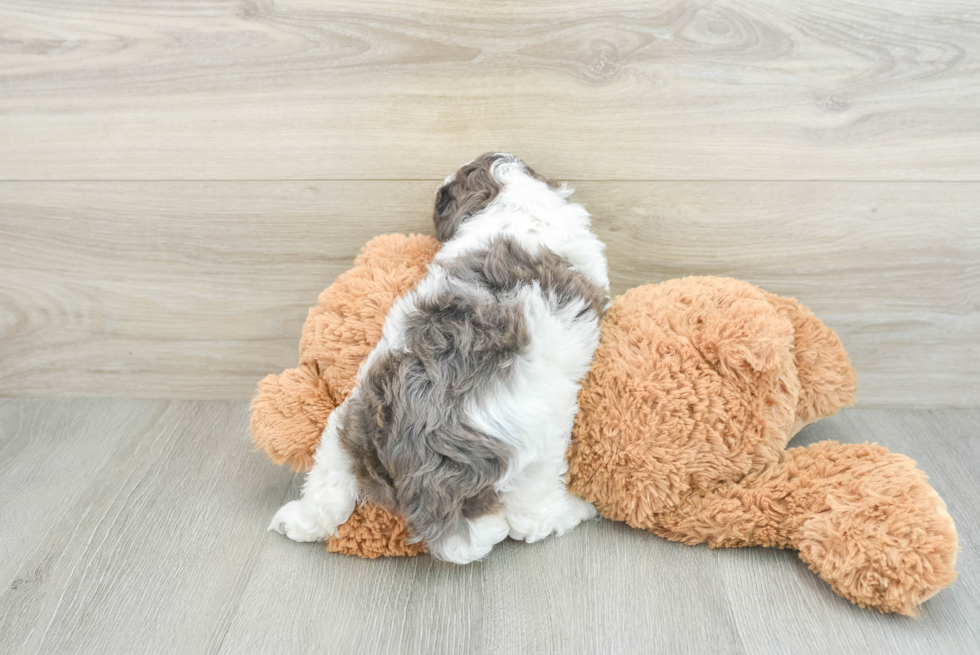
[[139, 526]]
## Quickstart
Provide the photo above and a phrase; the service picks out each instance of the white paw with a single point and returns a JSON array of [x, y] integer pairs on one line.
[[531, 528], [299, 524], [485, 533], [580, 510]]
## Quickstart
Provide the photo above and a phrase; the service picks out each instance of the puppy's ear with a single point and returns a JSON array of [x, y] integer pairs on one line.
[[472, 188]]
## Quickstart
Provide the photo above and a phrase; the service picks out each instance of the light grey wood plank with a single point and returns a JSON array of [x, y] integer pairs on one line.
[[588, 89], [45, 469], [162, 548], [154, 554], [301, 598], [605, 588], [601, 589], [779, 601], [197, 290]]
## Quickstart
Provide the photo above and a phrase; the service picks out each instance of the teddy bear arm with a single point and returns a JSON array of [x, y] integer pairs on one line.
[[288, 414]]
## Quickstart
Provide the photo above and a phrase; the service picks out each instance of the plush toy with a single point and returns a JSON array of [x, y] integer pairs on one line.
[[696, 388]]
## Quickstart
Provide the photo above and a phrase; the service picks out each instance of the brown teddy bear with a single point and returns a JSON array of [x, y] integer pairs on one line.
[[696, 388]]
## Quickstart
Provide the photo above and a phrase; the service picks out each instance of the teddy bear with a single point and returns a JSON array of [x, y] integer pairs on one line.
[[695, 389]]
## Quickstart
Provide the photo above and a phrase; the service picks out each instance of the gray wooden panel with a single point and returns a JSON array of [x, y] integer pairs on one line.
[[161, 547], [197, 290], [161, 290], [50, 453], [586, 89], [154, 553], [602, 588]]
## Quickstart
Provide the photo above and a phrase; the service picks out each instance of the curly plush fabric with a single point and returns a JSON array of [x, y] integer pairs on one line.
[[694, 391], [696, 388]]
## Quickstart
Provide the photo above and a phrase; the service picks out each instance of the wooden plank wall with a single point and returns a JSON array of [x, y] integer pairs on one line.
[[179, 179]]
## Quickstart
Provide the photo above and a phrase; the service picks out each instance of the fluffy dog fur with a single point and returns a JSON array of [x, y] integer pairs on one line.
[[463, 411]]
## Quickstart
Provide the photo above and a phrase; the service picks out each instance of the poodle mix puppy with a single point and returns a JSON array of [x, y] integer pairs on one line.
[[462, 413]]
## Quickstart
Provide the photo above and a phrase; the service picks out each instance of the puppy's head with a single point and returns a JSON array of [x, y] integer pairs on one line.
[[475, 185]]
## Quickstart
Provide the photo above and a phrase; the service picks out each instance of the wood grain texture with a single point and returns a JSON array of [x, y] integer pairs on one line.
[[197, 290], [153, 553], [159, 545], [586, 89], [45, 468]]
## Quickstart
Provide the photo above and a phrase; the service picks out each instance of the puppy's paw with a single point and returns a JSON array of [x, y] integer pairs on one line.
[[580, 510], [299, 524], [529, 530], [531, 527], [576, 510], [484, 533]]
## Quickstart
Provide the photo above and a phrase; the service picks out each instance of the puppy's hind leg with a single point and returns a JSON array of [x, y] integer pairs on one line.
[[538, 504], [484, 533], [329, 493]]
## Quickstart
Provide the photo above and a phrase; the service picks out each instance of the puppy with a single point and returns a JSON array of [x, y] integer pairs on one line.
[[463, 411]]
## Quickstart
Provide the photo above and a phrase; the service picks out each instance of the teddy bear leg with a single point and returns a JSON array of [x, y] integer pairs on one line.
[[864, 519], [329, 494], [881, 536]]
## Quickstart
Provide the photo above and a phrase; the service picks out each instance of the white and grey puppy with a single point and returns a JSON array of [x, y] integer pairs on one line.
[[463, 411]]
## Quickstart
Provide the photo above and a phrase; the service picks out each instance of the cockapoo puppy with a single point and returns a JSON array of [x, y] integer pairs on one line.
[[463, 411]]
